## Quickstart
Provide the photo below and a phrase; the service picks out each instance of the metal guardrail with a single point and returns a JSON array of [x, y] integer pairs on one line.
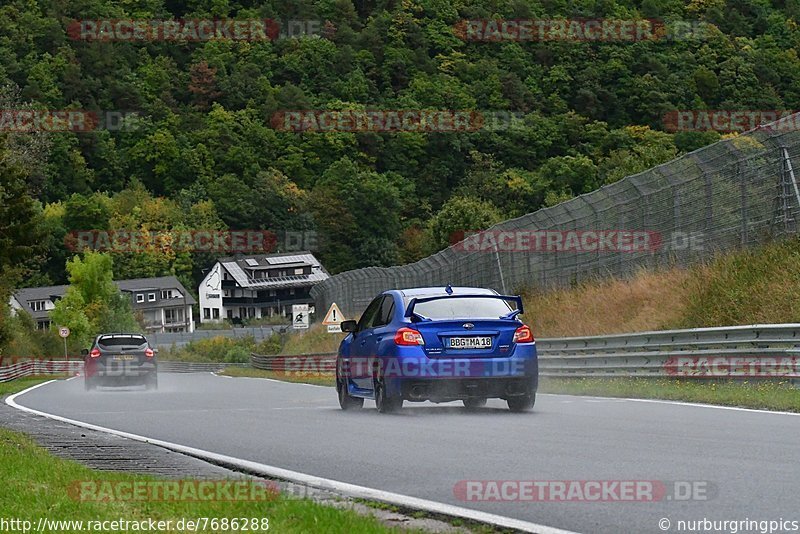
[[39, 367], [323, 362], [195, 367], [667, 353], [672, 353]]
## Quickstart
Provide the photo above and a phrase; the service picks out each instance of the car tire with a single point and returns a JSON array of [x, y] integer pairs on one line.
[[473, 403], [383, 403], [151, 383], [346, 401], [523, 403]]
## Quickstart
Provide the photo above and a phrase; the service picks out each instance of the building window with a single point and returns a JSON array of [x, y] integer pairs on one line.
[[299, 270], [291, 291], [166, 294], [151, 297], [140, 297], [216, 313], [206, 313], [37, 305], [173, 315]]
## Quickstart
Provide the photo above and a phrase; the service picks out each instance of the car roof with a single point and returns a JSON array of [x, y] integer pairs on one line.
[[441, 290]]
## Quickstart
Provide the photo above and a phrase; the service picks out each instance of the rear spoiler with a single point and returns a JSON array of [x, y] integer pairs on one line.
[[515, 299]]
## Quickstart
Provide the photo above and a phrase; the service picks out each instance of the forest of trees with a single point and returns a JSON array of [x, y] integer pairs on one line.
[[203, 154]]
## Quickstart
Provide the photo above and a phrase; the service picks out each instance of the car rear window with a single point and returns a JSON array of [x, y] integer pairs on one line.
[[463, 308], [118, 341]]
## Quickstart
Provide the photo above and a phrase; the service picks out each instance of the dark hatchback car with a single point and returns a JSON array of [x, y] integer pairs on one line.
[[120, 360]]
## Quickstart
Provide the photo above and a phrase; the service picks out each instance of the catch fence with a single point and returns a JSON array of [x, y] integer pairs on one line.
[[738, 192]]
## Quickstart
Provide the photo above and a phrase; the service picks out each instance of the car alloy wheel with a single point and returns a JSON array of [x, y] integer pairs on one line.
[[346, 401], [383, 402]]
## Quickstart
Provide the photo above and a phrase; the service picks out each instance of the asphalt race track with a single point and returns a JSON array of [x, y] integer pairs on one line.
[[747, 461]]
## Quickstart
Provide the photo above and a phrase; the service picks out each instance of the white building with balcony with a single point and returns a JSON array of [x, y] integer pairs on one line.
[[258, 286]]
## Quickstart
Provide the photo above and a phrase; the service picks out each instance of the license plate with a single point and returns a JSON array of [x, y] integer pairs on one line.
[[483, 342], [124, 358]]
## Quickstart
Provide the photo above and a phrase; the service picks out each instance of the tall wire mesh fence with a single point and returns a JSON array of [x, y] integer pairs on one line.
[[737, 192]]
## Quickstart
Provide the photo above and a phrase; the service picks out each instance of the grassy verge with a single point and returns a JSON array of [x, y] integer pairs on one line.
[[237, 349], [15, 386], [756, 286], [315, 339], [779, 396], [310, 378], [40, 485], [221, 349]]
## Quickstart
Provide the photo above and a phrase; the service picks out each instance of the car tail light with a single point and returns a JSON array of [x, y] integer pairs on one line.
[[408, 336], [523, 334], [149, 352], [95, 353]]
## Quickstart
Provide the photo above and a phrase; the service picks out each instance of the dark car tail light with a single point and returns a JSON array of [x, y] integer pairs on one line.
[[408, 336], [523, 334], [149, 352], [95, 353]]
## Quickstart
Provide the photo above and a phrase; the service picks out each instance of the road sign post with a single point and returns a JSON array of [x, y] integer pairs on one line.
[[63, 331], [333, 319], [300, 316]]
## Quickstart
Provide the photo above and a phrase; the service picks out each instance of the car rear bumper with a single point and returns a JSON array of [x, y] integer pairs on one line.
[[441, 390], [417, 377], [121, 371]]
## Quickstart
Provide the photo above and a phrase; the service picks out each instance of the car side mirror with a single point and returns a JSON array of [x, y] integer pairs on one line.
[[84, 352], [349, 326]]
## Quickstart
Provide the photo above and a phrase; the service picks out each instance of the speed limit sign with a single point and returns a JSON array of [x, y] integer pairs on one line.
[[63, 332]]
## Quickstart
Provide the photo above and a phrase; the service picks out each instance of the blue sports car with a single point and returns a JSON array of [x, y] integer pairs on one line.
[[438, 344]]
